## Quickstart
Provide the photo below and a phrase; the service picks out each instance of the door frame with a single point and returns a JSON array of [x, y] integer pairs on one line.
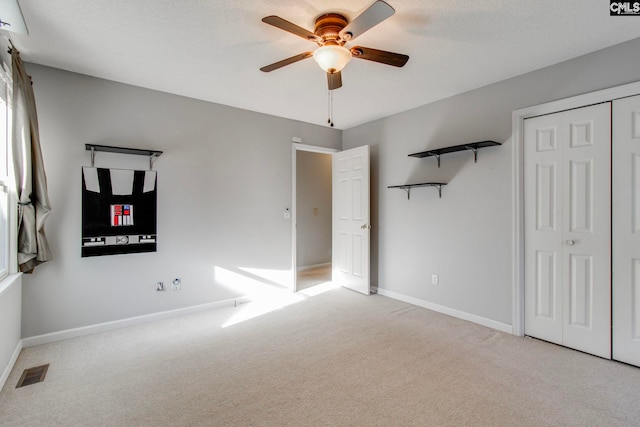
[[295, 147], [518, 117]]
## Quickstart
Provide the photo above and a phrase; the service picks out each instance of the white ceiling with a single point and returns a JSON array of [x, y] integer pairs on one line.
[[213, 49]]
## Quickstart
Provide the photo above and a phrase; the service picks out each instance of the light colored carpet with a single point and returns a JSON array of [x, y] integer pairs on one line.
[[337, 358]]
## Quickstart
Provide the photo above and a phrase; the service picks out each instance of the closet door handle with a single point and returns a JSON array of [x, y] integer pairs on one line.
[[570, 242]]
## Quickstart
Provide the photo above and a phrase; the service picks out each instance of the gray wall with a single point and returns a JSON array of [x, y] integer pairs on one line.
[[313, 191], [465, 237], [224, 181]]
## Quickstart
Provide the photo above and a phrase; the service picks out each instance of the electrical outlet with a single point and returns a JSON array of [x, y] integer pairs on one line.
[[176, 285], [434, 279]]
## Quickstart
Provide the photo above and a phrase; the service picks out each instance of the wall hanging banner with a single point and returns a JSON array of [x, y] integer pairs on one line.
[[118, 211]]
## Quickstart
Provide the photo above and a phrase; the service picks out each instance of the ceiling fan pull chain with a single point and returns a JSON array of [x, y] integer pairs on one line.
[[330, 120], [329, 107]]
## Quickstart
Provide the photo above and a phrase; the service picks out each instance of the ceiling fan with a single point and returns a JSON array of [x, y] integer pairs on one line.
[[332, 31]]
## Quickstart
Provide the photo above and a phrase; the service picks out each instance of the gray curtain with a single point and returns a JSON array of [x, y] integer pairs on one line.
[[31, 180]]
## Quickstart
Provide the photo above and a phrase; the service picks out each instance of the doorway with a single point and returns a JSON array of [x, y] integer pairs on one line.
[[312, 216]]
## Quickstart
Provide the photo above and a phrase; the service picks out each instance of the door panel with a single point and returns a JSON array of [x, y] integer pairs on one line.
[[546, 275], [546, 197], [543, 248], [358, 265], [567, 228], [580, 290], [581, 205], [626, 230], [587, 230], [351, 228], [635, 192], [635, 304]]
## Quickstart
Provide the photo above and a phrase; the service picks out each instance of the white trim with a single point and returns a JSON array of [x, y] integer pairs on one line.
[[518, 226], [11, 244], [131, 321], [7, 282], [5, 223], [483, 321], [518, 117], [314, 148], [10, 365], [312, 266], [294, 201]]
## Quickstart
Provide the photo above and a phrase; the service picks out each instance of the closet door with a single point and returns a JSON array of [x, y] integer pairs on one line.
[[568, 228], [626, 230]]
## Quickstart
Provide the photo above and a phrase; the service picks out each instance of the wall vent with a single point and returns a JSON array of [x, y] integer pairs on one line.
[[33, 375]]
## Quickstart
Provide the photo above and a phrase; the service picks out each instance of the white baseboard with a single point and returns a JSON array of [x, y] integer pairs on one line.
[[10, 365], [448, 311], [311, 267], [131, 321]]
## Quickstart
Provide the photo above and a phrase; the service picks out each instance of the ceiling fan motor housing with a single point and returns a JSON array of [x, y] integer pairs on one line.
[[328, 29]]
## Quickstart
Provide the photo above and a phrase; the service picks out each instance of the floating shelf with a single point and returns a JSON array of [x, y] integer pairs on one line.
[[474, 146], [408, 187], [94, 148]]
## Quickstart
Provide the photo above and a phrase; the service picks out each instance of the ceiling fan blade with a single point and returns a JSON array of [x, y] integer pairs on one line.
[[382, 56], [287, 61], [375, 14], [334, 80], [283, 24]]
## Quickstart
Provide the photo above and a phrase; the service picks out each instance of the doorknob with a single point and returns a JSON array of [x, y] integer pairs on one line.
[[365, 226], [570, 242]]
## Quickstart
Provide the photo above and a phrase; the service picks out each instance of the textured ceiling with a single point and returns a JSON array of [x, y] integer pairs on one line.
[[213, 49]]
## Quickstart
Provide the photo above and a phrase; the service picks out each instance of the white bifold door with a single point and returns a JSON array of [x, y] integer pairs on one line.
[[351, 227], [568, 228], [626, 230]]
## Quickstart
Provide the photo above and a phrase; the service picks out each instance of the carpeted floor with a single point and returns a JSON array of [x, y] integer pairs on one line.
[[313, 277], [336, 358]]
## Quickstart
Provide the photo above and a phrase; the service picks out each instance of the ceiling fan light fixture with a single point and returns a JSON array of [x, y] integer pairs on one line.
[[332, 58]]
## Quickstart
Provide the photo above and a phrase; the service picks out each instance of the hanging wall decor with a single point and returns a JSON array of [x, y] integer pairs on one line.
[[118, 206], [118, 211]]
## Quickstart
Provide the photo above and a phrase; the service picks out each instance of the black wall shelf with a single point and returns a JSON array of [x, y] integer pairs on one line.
[[94, 148], [474, 146], [408, 187]]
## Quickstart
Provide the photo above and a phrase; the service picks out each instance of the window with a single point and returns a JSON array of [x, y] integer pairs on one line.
[[5, 172]]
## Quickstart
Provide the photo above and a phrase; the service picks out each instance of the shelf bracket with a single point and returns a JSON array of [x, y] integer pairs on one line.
[[93, 156], [408, 190], [439, 187], [438, 158], [152, 158], [475, 152]]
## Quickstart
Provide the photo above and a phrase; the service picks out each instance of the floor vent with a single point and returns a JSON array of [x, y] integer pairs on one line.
[[33, 375]]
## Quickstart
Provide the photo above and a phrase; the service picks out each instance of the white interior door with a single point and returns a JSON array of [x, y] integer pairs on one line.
[[626, 230], [543, 229], [351, 226], [568, 228]]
